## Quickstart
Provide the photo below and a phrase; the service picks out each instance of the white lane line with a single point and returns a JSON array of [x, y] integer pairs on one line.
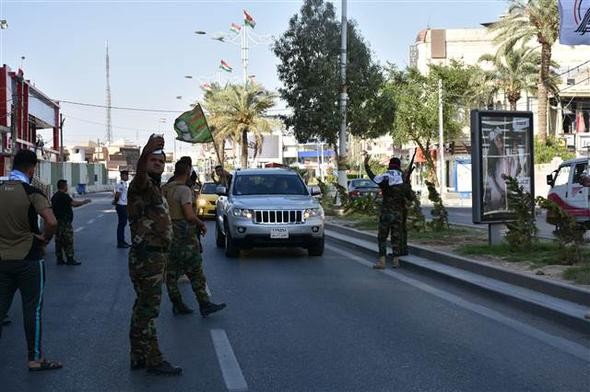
[[100, 216], [558, 342], [79, 229], [207, 290], [230, 368], [91, 221]]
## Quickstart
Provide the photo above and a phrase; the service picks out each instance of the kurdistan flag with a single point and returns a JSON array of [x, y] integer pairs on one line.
[[235, 28], [249, 20], [191, 127], [225, 66]]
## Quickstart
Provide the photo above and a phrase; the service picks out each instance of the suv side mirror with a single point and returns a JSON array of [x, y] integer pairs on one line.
[[550, 180], [315, 190], [221, 191]]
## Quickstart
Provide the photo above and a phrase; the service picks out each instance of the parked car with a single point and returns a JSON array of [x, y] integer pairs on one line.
[[570, 189], [363, 187], [268, 207], [207, 200]]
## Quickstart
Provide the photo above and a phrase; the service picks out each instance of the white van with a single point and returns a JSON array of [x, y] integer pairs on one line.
[[570, 189]]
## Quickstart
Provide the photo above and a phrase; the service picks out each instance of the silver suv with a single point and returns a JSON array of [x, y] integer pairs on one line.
[[268, 207]]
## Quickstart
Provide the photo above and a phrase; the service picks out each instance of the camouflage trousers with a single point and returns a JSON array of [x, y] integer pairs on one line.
[[186, 260], [392, 223], [146, 270], [64, 240]]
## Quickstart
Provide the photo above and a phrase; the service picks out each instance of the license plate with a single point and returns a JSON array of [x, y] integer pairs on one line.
[[279, 233]]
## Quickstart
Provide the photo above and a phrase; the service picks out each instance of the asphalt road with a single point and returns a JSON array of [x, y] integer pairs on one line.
[[293, 323]]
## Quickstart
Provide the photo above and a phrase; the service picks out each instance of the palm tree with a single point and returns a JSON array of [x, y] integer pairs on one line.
[[239, 110], [527, 20], [515, 70]]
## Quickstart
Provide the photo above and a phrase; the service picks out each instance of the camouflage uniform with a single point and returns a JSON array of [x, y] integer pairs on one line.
[[64, 240], [151, 232], [392, 217], [185, 255]]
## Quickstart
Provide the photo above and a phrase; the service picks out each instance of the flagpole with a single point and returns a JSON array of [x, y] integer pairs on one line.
[[245, 52]]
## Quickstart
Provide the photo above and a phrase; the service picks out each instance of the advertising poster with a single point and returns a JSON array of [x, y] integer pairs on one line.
[[503, 148]]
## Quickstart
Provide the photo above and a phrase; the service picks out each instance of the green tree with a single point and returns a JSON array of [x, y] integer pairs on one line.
[[237, 111], [416, 100], [309, 53], [514, 71], [527, 20]]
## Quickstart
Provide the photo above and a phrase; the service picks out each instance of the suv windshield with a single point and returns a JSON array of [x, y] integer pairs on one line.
[[269, 184], [209, 188]]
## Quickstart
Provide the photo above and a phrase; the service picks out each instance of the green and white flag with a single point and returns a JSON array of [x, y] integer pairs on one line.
[[191, 127], [225, 66]]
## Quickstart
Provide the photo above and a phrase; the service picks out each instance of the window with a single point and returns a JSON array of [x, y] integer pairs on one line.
[[563, 176], [209, 188], [269, 184], [579, 171], [363, 184]]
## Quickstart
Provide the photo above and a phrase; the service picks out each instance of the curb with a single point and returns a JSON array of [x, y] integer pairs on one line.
[[579, 298]]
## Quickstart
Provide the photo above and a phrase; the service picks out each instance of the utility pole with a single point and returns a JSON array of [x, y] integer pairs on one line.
[[342, 180], [62, 120], [108, 98], [441, 146]]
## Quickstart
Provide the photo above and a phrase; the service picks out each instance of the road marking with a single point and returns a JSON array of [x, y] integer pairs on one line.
[[100, 216], [230, 368], [79, 229], [91, 221], [560, 343], [207, 290]]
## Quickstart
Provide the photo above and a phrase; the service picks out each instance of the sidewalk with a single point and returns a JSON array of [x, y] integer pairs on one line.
[[564, 303]]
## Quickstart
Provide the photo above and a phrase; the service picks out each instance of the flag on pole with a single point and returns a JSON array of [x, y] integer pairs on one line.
[[191, 127], [236, 28], [574, 22], [249, 20], [225, 66]]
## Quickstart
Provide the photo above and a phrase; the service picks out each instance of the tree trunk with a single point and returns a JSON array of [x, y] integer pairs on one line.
[[431, 166], [245, 149], [542, 91]]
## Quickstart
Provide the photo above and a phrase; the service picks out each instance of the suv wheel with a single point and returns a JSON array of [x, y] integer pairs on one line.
[[219, 237], [317, 248], [231, 247]]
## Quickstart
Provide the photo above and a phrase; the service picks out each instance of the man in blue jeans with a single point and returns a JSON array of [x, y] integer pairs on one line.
[[121, 207]]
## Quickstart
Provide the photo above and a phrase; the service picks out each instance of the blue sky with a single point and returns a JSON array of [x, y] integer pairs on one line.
[[153, 45]]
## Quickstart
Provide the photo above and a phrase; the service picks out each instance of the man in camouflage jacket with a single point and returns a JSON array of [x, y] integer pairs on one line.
[[151, 233]]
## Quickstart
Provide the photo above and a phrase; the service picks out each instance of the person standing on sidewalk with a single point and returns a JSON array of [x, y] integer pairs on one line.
[[22, 246], [151, 234], [396, 194], [120, 203], [185, 255], [62, 204]]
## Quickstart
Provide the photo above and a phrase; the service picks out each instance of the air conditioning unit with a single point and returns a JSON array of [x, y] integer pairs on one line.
[[571, 81]]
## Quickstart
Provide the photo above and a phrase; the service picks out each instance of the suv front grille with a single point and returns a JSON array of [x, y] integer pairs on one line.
[[280, 217]]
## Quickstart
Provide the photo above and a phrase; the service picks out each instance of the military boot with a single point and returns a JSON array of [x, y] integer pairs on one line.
[[380, 264], [165, 368], [396, 262], [206, 308], [72, 261], [181, 308]]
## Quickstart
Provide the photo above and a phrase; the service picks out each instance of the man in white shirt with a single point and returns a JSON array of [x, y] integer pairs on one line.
[[121, 207]]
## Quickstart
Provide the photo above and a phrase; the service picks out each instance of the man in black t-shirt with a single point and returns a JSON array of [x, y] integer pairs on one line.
[[62, 204]]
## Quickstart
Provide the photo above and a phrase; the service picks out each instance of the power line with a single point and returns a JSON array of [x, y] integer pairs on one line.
[[133, 109]]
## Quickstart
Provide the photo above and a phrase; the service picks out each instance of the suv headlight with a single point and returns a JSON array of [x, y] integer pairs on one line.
[[242, 213], [313, 212]]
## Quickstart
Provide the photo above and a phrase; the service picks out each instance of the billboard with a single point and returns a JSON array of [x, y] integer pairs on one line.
[[502, 146]]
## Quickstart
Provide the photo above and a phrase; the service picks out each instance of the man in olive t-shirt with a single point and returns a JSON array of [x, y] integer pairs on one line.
[[22, 246]]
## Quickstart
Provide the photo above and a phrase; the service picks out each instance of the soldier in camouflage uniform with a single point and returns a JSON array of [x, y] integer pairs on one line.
[[185, 255], [151, 233], [396, 194]]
